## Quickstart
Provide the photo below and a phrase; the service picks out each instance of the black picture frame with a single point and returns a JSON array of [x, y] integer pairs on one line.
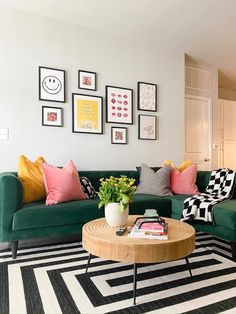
[[51, 84], [147, 127], [52, 116], [119, 105], [87, 80], [119, 138], [147, 96], [87, 114]]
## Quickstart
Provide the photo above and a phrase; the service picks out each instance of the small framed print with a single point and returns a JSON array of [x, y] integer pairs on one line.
[[52, 116], [118, 135], [51, 84], [87, 80], [119, 105], [87, 114], [147, 127], [147, 96]]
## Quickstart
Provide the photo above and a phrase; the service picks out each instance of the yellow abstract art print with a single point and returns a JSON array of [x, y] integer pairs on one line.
[[87, 114]]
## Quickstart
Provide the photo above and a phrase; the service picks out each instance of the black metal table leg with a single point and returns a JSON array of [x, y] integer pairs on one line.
[[89, 259], [135, 282], [188, 265]]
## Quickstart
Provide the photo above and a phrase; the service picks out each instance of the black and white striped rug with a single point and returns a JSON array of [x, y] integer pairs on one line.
[[51, 279]]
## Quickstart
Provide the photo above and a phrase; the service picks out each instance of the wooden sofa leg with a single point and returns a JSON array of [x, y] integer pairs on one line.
[[233, 249], [14, 247]]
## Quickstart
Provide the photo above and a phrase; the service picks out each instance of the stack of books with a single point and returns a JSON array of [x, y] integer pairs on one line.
[[149, 228]]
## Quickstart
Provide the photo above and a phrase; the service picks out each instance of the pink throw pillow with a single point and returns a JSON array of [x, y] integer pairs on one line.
[[62, 184], [184, 182]]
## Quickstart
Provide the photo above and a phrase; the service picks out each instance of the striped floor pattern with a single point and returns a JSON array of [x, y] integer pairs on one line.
[[51, 279]]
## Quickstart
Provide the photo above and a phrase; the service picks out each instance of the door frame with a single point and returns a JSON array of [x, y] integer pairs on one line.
[[209, 100]]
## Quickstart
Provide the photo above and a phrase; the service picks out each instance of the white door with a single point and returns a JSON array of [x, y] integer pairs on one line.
[[198, 138]]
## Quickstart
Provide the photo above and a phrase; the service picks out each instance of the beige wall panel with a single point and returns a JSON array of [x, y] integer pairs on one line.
[[229, 120], [230, 154]]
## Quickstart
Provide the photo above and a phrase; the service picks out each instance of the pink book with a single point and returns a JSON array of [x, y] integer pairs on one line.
[[152, 226]]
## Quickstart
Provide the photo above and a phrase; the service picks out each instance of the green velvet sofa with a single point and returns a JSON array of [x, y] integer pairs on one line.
[[20, 221]]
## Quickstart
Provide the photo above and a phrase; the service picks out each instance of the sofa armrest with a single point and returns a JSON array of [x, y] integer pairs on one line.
[[11, 199]]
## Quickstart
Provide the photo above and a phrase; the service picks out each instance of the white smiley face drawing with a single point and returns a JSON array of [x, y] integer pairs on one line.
[[51, 84]]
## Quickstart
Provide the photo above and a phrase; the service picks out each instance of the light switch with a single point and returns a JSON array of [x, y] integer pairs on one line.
[[4, 134]]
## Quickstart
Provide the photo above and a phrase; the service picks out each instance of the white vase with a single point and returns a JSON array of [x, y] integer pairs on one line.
[[114, 217]]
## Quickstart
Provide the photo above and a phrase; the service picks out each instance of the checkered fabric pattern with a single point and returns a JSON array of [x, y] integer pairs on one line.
[[200, 207]]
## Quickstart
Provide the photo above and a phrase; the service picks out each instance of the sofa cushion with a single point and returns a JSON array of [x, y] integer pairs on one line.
[[184, 182], [38, 215], [31, 176], [224, 212], [62, 184], [154, 182], [185, 164], [87, 187], [178, 205]]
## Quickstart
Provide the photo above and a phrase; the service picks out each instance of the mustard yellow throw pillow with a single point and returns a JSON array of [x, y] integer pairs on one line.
[[168, 163], [187, 163], [31, 176]]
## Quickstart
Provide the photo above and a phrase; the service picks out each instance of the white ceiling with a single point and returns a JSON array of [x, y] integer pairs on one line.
[[204, 29]]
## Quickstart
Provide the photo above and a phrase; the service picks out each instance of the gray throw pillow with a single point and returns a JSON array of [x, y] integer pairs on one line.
[[154, 182]]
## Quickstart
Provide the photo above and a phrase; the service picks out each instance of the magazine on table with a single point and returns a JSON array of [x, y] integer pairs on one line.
[[149, 228]]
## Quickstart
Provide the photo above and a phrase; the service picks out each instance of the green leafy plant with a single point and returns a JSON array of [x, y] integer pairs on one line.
[[116, 190]]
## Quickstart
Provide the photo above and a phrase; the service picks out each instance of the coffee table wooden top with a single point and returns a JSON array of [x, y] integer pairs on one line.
[[100, 239]]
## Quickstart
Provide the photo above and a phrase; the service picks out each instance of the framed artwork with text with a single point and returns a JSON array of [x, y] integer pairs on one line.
[[87, 114]]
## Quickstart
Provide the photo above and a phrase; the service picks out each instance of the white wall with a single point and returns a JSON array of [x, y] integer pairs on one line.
[[28, 41]]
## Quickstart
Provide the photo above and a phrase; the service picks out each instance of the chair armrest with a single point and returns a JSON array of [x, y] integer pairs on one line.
[[11, 199]]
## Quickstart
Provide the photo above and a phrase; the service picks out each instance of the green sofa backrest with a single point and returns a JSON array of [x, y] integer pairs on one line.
[[96, 175], [202, 181]]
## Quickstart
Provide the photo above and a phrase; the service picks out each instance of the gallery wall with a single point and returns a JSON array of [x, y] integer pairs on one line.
[[28, 41]]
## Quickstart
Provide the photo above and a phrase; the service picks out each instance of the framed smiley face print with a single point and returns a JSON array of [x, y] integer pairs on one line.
[[119, 105], [51, 84]]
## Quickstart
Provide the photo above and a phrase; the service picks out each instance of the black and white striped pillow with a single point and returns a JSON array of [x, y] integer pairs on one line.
[[87, 187]]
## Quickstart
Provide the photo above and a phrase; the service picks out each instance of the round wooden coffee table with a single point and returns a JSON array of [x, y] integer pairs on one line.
[[100, 239]]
